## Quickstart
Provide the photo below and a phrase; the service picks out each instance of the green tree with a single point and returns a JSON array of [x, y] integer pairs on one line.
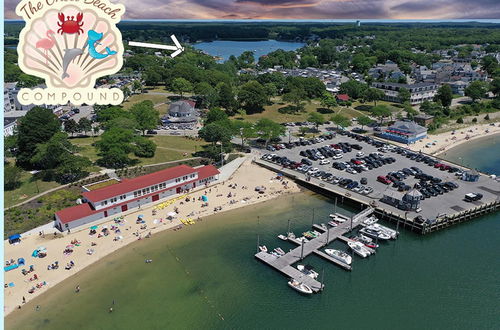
[[268, 129], [495, 86], [328, 101], [341, 120], [114, 157], [476, 90], [36, 127], [106, 114], [84, 125], [152, 77], [404, 95], [217, 115], [246, 59], [146, 116], [207, 93], [410, 111], [444, 95], [114, 147], [364, 120], [71, 126], [181, 85], [303, 130], [48, 155], [144, 147], [244, 129], [126, 92], [225, 96], [12, 177], [214, 132], [252, 96], [353, 88], [137, 86], [489, 63], [71, 168], [373, 95], [381, 112], [316, 118], [27, 81], [271, 89], [295, 96]]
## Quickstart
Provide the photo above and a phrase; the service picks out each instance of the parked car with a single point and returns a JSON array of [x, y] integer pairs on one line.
[[472, 197], [383, 179]]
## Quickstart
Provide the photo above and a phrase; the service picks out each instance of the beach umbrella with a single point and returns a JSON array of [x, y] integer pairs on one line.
[[140, 216], [204, 198], [42, 248], [70, 246], [155, 221], [171, 214], [93, 227]]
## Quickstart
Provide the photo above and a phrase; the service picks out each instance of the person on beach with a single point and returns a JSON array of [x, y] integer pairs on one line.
[[111, 309], [24, 300], [77, 289]]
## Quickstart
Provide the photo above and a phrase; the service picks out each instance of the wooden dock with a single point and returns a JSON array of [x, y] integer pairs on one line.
[[284, 263]]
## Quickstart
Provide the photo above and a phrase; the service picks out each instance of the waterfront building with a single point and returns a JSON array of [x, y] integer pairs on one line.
[[182, 112], [423, 119], [419, 92], [404, 131], [131, 194], [470, 176]]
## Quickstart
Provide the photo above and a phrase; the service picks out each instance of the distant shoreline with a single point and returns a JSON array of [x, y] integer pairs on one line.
[[461, 145]]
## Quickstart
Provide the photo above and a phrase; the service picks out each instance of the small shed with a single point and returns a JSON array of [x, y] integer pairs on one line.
[[412, 199], [470, 176]]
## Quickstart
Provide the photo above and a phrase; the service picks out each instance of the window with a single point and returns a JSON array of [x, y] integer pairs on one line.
[[135, 193]]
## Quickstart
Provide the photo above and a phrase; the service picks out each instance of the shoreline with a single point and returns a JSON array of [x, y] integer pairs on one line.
[[443, 142], [459, 144], [237, 192]]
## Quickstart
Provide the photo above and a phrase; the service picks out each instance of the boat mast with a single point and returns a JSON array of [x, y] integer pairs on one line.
[[258, 243], [288, 232], [323, 279]]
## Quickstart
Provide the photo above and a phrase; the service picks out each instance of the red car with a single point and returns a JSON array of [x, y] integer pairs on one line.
[[438, 165], [383, 179], [335, 146]]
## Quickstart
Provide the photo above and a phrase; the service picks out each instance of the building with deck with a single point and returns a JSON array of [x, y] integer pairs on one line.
[[404, 131], [419, 92], [131, 194]]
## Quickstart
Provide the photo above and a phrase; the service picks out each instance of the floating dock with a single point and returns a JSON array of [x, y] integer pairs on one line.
[[284, 263]]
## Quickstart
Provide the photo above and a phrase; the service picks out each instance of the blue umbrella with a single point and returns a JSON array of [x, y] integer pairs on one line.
[[204, 198]]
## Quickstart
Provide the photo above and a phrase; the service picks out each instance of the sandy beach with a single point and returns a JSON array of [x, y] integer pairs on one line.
[[237, 191], [445, 141]]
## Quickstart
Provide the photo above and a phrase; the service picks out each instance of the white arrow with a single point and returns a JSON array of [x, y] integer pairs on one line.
[[178, 48]]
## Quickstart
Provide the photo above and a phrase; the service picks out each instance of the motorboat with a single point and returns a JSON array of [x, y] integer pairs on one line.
[[337, 218], [316, 233], [282, 237], [300, 287], [276, 254], [387, 230], [279, 251], [302, 239], [370, 221], [359, 249], [333, 223], [367, 241], [263, 248], [290, 235], [308, 270], [310, 234], [374, 233], [339, 255]]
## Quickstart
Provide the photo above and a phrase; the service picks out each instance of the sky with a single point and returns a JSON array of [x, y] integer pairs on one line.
[[302, 9]]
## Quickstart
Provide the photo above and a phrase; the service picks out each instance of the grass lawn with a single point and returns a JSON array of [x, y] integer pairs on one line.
[[27, 189], [178, 142], [156, 99]]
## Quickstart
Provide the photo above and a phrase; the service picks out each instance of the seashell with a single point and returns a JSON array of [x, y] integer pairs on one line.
[[43, 54]]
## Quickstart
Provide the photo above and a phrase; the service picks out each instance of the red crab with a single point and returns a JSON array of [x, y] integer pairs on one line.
[[69, 25]]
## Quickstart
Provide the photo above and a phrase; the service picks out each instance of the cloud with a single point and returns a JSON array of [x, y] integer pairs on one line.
[[301, 9], [282, 3]]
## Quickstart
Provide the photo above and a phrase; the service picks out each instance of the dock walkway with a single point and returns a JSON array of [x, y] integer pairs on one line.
[[284, 263]]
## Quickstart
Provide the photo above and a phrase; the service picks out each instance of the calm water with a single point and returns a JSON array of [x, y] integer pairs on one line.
[[205, 277], [225, 49]]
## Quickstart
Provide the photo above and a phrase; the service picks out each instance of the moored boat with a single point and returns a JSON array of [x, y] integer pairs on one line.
[[300, 287], [282, 237], [339, 255], [391, 232], [279, 251], [359, 249], [374, 233], [263, 248], [308, 270], [333, 223]]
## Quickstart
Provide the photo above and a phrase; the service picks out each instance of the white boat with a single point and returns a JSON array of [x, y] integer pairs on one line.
[[387, 230], [302, 239], [279, 251], [317, 233], [283, 237], [291, 235], [365, 238], [370, 221], [338, 218], [276, 254], [308, 270], [359, 249], [300, 287], [333, 223], [339, 255], [263, 248], [374, 233]]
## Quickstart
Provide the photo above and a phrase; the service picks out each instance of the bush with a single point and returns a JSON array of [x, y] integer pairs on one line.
[[474, 120], [487, 117], [144, 148], [460, 120]]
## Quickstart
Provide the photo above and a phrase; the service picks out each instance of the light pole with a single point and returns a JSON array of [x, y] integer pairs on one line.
[[241, 135]]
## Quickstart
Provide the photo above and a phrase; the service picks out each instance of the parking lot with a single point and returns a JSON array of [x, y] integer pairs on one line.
[[439, 182]]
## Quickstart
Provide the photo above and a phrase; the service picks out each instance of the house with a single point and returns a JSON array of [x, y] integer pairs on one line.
[[9, 125], [407, 202], [404, 131], [131, 194], [182, 112], [423, 119], [389, 70], [470, 176], [419, 92], [342, 98], [458, 87]]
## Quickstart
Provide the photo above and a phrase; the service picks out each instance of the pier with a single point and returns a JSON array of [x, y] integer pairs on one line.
[[284, 263], [437, 213]]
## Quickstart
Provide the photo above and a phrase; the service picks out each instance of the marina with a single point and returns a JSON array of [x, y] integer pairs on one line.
[[284, 263], [430, 215]]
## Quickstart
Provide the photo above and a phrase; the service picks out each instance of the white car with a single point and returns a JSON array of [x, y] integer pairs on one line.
[[360, 154], [313, 170], [337, 156], [324, 162], [351, 170], [367, 190]]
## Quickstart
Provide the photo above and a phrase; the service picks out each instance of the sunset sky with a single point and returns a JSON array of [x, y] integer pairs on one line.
[[302, 9]]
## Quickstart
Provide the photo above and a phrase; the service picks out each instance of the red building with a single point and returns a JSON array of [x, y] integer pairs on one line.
[[133, 193], [342, 98]]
